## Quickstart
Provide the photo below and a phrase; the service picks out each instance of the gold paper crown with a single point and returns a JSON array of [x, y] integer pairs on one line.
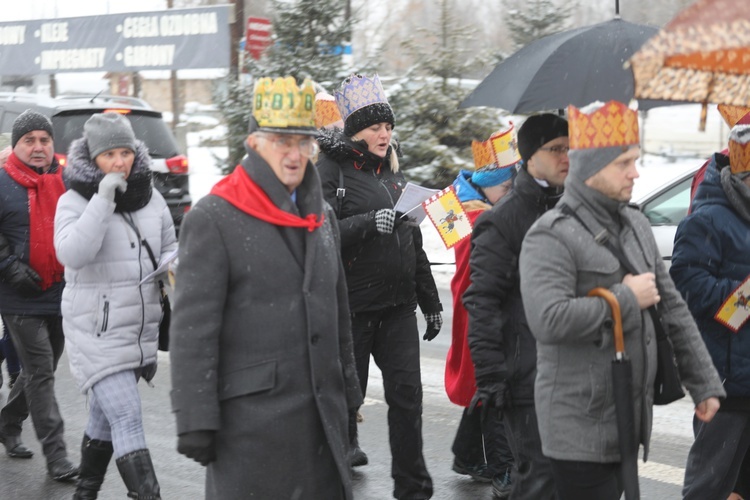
[[739, 149], [734, 114], [326, 110], [614, 124], [281, 104]]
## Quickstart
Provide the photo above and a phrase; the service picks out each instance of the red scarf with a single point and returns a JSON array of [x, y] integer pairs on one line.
[[43, 190], [240, 190]]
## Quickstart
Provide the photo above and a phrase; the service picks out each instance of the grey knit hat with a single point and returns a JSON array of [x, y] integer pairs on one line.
[[105, 131], [584, 163], [26, 122]]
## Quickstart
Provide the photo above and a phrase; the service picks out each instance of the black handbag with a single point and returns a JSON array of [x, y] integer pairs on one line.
[[667, 384], [166, 307]]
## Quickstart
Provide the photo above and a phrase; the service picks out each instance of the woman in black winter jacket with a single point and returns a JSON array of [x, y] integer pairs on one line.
[[387, 270]]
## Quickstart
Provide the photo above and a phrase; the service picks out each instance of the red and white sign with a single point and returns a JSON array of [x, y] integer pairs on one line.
[[258, 36]]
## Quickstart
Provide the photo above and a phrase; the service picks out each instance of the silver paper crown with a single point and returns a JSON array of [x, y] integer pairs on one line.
[[358, 91]]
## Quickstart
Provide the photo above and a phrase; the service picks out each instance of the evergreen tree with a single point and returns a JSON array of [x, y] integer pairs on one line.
[[529, 20], [308, 37], [307, 41], [235, 103], [435, 136]]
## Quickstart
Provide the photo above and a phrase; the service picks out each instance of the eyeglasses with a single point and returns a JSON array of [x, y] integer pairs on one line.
[[284, 145], [557, 150]]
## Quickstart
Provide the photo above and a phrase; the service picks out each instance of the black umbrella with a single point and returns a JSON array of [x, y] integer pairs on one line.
[[577, 66], [622, 383]]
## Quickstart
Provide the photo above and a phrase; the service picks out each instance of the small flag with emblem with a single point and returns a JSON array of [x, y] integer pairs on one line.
[[448, 216], [735, 311]]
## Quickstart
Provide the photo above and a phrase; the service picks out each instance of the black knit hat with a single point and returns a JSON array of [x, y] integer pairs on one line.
[[378, 112], [26, 122], [537, 131]]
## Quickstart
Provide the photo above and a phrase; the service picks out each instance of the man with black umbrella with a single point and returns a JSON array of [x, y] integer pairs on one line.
[[561, 262], [502, 347]]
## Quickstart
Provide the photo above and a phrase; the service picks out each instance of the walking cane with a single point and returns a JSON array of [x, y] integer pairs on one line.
[[622, 382]]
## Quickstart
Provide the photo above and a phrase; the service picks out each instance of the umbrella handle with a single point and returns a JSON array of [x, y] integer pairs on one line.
[[610, 298]]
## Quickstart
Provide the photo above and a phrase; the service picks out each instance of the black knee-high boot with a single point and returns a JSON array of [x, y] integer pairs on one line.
[[95, 457], [138, 474], [357, 457]]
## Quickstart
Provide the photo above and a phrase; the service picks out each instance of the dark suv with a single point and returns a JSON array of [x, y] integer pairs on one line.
[[69, 113]]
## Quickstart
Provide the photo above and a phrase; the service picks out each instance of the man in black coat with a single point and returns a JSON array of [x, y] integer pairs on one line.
[[502, 347], [31, 283], [263, 369]]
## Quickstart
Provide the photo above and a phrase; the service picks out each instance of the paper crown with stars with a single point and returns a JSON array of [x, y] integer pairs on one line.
[[281, 107], [613, 124], [362, 103]]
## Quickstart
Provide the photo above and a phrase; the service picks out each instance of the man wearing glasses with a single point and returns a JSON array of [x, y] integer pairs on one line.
[[262, 363], [502, 347]]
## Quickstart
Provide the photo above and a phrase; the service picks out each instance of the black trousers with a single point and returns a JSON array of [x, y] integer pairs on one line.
[[39, 341], [391, 337], [576, 480], [480, 442], [721, 446]]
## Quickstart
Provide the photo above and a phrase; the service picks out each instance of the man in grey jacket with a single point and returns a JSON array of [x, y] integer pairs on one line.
[[561, 261], [262, 365]]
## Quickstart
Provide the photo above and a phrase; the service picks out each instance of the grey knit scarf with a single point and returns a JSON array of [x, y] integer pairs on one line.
[[738, 193]]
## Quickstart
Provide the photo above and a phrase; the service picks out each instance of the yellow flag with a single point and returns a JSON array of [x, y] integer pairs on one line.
[[448, 216], [735, 311]]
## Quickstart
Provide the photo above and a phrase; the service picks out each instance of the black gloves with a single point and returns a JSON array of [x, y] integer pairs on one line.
[[434, 323], [18, 274], [491, 394], [198, 445]]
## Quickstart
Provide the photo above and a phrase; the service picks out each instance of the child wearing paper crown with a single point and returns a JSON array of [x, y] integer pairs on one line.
[[708, 265], [387, 270], [480, 447]]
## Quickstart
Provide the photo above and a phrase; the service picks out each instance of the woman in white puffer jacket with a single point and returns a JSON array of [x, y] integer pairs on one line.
[[105, 226]]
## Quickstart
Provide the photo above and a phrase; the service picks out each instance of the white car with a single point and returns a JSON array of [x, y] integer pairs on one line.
[[662, 192]]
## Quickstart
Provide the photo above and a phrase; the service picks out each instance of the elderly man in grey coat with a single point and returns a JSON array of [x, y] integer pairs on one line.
[[561, 261], [262, 362]]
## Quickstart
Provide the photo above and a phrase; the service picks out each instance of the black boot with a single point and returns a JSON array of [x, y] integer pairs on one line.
[[138, 474], [357, 457], [95, 457]]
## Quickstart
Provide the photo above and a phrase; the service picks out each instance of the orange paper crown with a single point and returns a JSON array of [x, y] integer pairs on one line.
[[483, 154], [326, 111], [734, 114], [614, 124], [739, 149]]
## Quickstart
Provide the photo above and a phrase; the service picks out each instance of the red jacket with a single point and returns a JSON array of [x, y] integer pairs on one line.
[[460, 384]]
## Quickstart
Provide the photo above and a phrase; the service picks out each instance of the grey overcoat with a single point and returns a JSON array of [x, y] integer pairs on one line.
[[560, 263], [261, 345]]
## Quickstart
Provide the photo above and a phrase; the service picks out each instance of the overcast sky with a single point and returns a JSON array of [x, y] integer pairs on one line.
[[50, 9]]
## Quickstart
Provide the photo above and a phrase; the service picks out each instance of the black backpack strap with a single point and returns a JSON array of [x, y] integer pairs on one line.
[[340, 192], [603, 239]]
